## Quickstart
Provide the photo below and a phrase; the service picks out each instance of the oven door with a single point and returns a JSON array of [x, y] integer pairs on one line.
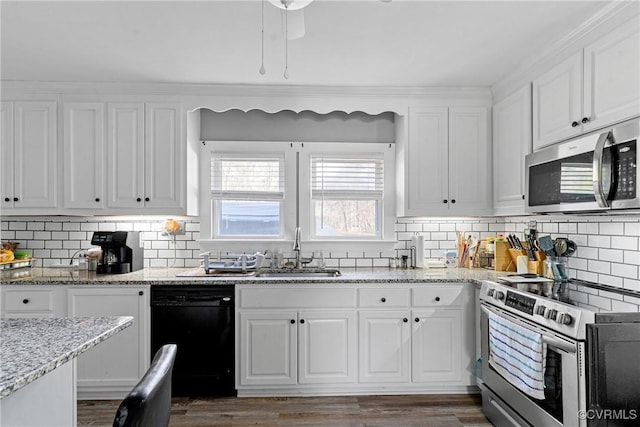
[[565, 394]]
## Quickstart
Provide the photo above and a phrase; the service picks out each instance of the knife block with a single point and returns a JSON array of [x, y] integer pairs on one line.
[[536, 266], [502, 258]]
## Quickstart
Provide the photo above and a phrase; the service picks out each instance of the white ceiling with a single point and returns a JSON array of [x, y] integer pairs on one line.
[[353, 43]]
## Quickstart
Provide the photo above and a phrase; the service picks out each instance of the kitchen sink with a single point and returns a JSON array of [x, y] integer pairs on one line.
[[299, 273]]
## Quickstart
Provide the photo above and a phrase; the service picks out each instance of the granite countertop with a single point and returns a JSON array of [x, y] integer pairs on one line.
[[30, 348], [169, 276]]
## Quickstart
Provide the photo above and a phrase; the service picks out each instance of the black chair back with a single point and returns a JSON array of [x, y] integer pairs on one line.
[[149, 402]]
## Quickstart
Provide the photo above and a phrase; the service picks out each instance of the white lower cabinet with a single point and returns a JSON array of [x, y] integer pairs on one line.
[[386, 338], [288, 347], [112, 368], [32, 301]]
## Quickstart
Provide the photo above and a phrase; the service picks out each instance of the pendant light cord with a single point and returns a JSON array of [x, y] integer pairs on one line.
[[286, 42], [262, 70]]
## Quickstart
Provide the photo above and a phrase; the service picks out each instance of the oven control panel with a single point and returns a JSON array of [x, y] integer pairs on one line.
[[559, 316], [520, 302]]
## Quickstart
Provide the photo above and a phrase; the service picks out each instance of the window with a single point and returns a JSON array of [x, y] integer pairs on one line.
[[346, 196], [247, 192], [336, 192]]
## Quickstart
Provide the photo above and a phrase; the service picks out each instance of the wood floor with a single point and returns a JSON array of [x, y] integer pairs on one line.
[[361, 411]]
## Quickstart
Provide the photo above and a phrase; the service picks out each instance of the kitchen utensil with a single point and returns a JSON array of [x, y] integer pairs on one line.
[[564, 246], [546, 244]]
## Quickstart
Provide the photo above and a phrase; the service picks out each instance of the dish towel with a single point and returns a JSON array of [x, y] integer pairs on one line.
[[518, 354]]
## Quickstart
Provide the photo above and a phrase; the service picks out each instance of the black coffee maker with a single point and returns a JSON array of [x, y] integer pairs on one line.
[[121, 251]]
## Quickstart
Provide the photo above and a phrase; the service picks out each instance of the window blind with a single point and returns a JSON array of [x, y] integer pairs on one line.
[[238, 177], [347, 178]]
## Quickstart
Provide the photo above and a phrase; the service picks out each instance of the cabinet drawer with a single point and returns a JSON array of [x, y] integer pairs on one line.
[[444, 296], [296, 297], [384, 298], [33, 300]]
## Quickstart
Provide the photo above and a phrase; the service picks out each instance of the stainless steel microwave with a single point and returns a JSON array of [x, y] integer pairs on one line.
[[595, 172]]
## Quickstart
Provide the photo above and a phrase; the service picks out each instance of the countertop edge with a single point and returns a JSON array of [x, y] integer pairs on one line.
[[123, 322]]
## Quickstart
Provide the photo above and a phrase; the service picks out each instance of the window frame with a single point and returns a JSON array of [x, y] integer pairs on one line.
[[297, 199], [208, 213]]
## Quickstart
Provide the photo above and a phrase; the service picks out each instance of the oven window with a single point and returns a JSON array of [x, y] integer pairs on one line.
[[552, 402]]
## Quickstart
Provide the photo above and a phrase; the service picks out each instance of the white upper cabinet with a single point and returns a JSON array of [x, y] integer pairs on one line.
[[557, 102], [163, 156], [29, 155], [612, 77], [447, 162], [511, 143], [126, 154], [591, 89], [84, 155], [145, 156]]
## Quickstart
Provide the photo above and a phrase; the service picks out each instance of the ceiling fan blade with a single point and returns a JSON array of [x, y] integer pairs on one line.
[[295, 20]]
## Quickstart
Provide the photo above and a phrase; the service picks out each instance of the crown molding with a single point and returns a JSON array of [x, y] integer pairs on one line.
[[269, 98], [613, 14]]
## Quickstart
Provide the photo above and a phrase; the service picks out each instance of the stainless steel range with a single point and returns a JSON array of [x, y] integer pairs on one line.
[[512, 312]]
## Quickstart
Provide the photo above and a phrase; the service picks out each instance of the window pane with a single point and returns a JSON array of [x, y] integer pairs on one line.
[[248, 218], [346, 218]]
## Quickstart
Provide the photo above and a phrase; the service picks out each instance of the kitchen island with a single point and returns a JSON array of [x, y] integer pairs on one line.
[[37, 375]]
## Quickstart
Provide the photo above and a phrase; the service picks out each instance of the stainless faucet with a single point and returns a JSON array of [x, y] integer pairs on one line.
[[296, 247]]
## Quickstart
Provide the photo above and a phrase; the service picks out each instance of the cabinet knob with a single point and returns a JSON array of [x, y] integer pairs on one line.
[[97, 199], [405, 320], [292, 321], [141, 293], [138, 199], [6, 199], [383, 299], [445, 201], [437, 299], [301, 320], [453, 200], [15, 199], [523, 197], [417, 319], [574, 124], [25, 301], [146, 199], [585, 120]]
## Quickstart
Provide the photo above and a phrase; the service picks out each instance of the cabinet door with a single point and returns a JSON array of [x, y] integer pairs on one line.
[[426, 175], [35, 156], [557, 103], [436, 346], [126, 155], [268, 348], [611, 77], [511, 143], [469, 161], [326, 347], [384, 344], [113, 367], [6, 151], [163, 156], [84, 155]]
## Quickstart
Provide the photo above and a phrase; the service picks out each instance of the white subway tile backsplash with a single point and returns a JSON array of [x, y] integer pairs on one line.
[[623, 242], [35, 226], [624, 270], [621, 306], [614, 228], [613, 255], [598, 241], [600, 302], [608, 250]]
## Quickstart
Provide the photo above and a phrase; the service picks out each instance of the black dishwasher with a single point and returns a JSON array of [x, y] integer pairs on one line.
[[201, 321]]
